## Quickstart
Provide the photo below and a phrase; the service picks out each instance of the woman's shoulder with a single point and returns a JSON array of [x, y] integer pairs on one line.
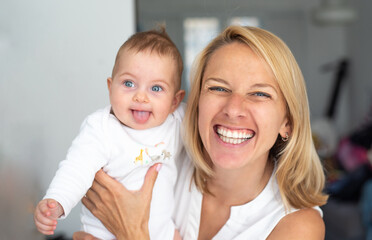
[[302, 224]]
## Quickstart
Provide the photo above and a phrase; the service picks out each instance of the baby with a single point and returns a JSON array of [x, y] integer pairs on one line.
[[140, 128]]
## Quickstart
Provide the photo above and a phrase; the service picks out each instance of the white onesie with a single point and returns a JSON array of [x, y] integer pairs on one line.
[[125, 154]]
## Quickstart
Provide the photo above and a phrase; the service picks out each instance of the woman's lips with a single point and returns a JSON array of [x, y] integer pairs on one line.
[[233, 136]]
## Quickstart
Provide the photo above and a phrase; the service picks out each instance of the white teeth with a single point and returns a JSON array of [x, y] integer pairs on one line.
[[233, 136]]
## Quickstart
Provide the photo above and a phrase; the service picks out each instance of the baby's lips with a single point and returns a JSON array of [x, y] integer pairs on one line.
[[141, 117]]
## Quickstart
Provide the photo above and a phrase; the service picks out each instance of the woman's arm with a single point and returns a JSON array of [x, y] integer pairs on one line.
[[306, 224], [124, 213]]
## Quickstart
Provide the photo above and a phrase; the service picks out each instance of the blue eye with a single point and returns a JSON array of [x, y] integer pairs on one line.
[[129, 84], [156, 88], [218, 89], [261, 94]]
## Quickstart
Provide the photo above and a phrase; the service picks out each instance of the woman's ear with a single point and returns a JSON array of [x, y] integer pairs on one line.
[[286, 128], [178, 97]]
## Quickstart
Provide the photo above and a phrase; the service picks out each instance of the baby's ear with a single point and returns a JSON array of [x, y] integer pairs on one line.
[[178, 97], [109, 82]]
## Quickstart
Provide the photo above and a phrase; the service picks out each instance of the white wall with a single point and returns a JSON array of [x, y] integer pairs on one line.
[[55, 57]]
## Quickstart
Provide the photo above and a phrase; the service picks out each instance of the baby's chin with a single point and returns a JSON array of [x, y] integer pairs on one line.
[[142, 125]]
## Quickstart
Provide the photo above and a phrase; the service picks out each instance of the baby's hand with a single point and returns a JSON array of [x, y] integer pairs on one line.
[[46, 214]]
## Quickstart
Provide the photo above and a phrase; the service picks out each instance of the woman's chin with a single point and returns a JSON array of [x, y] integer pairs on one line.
[[227, 163]]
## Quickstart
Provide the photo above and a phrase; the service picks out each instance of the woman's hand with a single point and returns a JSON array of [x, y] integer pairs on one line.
[[83, 236], [124, 213]]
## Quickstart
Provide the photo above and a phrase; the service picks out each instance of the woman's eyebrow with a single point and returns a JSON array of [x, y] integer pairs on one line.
[[256, 85], [220, 80], [264, 85]]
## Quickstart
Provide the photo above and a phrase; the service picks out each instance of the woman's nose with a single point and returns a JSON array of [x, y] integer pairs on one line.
[[235, 106], [141, 97]]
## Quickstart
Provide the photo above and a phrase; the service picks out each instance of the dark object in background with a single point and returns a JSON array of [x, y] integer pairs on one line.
[[353, 156], [363, 137], [58, 237], [366, 208], [349, 187]]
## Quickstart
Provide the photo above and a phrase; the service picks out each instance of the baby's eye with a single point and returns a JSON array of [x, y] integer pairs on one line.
[[261, 94], [129, 84], [156, 88], [218, 89]]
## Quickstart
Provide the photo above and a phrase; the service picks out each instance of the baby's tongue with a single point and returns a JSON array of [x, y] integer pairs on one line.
[[141, 116]]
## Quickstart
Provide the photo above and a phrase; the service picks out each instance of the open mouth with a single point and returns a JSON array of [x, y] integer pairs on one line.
[[141, 116], [233, 136]]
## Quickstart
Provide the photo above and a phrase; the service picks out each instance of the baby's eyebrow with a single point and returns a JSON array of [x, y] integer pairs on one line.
[[161, 81], [126, 73]]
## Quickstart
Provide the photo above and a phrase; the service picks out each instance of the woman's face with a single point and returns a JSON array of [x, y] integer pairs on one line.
[[241, 108]]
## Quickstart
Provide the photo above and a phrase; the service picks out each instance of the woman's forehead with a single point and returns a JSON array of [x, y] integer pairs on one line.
[[238, 60]]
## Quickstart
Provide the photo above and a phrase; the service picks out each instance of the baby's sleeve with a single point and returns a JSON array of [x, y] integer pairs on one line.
[[87, 154]]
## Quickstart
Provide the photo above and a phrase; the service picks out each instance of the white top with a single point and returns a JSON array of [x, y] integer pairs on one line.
[[125, 154], [254, 220]]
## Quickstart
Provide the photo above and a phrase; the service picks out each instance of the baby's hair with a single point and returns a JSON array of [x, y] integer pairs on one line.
[[155, 40]]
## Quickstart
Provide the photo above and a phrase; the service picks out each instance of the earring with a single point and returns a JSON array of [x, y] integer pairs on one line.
[[284, 139]]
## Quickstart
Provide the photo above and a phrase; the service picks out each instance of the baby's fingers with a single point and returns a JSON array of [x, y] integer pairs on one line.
[[45, 229], [39, 217], [44, 209], [45, 225], [51, 203]]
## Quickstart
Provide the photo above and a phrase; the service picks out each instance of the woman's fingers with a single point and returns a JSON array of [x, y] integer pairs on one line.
[[105, 180], [96, 189], [88, 204], [92, 199], [83, 236], [150, 178]]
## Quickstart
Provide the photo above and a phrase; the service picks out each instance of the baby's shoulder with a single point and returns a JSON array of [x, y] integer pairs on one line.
[[97, 117], [99, 113], [179, 113]]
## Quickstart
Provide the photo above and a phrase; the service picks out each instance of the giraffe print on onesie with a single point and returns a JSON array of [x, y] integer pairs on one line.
[[156, 154]]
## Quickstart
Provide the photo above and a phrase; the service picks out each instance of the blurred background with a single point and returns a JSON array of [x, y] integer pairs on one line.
[[55, 57]]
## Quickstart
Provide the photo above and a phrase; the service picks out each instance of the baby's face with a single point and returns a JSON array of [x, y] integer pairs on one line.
[[142, 90]]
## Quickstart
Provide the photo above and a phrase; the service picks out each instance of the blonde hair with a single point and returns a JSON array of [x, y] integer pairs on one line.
[[299, 171], [158, 41]]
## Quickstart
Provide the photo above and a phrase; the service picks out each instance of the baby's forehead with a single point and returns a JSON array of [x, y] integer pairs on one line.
[[129, 54]]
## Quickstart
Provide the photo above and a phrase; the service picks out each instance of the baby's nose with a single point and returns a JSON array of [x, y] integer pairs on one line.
[[140, 97]]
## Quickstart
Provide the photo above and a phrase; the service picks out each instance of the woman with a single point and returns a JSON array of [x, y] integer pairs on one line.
[[254, 172]]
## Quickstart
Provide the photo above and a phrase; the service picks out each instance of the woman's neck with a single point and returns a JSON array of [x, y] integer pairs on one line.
[[239, 186]]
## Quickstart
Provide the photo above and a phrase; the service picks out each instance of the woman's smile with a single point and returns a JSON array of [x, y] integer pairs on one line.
[[233, 136]]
